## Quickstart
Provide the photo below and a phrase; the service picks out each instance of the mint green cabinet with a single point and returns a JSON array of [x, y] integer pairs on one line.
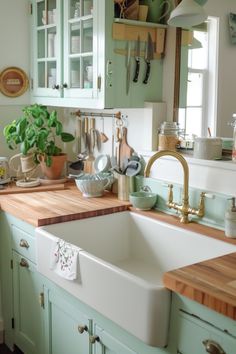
[[72, 331], [75, 61], [72, 327], [28, 311], [21, 287], [6, 278], [105, 343], [199, 337], [195, 329], [67, 327]]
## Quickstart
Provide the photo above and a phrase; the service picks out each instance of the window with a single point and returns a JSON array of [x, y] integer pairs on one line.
[[198, 80]]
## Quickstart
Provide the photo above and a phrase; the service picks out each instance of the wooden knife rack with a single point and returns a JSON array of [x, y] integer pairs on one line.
[[130, 30]]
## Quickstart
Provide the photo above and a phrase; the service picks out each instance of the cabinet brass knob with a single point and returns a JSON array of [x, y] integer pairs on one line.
[[94, 339], [81, 329], [24, 243], [24, 263], [213, 347]]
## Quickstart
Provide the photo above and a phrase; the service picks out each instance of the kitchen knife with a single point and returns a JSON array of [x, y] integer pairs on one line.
[[128, 68], [148, 57], [137, 59]]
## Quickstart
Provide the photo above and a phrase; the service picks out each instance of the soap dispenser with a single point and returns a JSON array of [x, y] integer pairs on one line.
[[230, 220]]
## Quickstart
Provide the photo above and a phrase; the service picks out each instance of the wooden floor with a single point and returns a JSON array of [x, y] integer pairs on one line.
[[4, 350]]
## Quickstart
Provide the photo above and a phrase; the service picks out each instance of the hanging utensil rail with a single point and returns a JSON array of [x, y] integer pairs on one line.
[[79, 113]]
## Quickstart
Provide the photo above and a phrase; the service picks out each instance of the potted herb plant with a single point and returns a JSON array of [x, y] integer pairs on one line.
[[37, 132]]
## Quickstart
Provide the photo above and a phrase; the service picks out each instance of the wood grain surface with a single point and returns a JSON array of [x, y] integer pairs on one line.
[[44, 208], [125, 151], [211, 283], [13, 189]]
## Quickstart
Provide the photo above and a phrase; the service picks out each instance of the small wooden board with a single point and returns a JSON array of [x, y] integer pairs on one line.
[[13, 189], [125, 151]]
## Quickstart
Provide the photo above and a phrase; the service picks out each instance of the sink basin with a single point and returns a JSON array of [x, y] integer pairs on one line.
[[122, 259]]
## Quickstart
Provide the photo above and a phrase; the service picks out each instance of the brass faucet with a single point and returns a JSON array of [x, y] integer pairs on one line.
[[185, 208]]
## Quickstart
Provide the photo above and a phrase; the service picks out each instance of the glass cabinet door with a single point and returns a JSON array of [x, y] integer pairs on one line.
[[79, 63], [47, 61]]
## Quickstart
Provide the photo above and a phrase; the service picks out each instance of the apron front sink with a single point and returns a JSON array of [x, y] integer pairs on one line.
[[122, 259]]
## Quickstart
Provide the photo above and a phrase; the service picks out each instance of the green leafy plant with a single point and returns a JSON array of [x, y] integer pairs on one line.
[[36, 132]]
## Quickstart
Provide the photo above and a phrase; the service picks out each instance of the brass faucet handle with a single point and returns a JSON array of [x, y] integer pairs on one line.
[[170, 193], [201, 207]]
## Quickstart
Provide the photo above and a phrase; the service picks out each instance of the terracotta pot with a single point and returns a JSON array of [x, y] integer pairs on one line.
[[56, 168]]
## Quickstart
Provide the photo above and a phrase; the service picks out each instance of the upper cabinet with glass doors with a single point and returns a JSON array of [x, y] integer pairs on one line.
[[47, 48], [76, 62]]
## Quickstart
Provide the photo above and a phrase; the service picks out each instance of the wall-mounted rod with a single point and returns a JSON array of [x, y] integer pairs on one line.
[[79, 113]]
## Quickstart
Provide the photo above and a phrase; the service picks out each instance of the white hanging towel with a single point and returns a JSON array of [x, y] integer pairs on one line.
[[65, 260]]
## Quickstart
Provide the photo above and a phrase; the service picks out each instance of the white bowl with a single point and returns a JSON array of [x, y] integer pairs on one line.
[[92, 187]]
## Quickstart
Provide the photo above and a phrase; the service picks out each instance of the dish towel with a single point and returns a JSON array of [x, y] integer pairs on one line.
[[64, 259]]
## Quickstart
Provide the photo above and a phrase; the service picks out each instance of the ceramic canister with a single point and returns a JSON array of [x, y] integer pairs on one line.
[[207, 148]]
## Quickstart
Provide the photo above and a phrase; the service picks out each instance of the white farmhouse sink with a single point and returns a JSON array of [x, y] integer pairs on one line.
[[122, 260]]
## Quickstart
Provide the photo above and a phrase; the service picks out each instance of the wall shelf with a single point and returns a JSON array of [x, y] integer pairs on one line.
[[139, 23], [129, 30]]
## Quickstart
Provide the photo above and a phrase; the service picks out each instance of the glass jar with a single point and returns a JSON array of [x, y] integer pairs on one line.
[[168, 136], [4, 170]]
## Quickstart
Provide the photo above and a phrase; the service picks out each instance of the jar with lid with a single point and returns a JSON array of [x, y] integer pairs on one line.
[[4, 170], [168, 136]]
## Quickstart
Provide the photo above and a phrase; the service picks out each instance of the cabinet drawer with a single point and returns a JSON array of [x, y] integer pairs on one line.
[[23, 243], [194, 334]]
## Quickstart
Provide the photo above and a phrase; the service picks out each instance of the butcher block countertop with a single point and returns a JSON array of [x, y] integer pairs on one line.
[[50, 207], [211, 283]]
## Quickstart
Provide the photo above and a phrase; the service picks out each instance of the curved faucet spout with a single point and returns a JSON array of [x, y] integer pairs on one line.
[[184, 209]]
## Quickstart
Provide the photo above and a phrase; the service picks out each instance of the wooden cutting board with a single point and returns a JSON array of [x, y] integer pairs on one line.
[[125, 151], [13, 189]]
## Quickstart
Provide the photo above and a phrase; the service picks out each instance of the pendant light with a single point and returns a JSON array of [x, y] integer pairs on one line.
[[187, 14]]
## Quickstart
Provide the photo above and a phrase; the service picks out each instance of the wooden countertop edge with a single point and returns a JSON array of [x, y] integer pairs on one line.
[[63, 218], [82, 215], [195, 291]]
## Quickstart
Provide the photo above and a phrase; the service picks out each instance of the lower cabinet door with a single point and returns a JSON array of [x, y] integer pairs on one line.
[[196, 336], [105, 343], [28, 312], [67, 328]]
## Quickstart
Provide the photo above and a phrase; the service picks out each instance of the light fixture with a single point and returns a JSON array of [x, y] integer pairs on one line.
[[187, 14]]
